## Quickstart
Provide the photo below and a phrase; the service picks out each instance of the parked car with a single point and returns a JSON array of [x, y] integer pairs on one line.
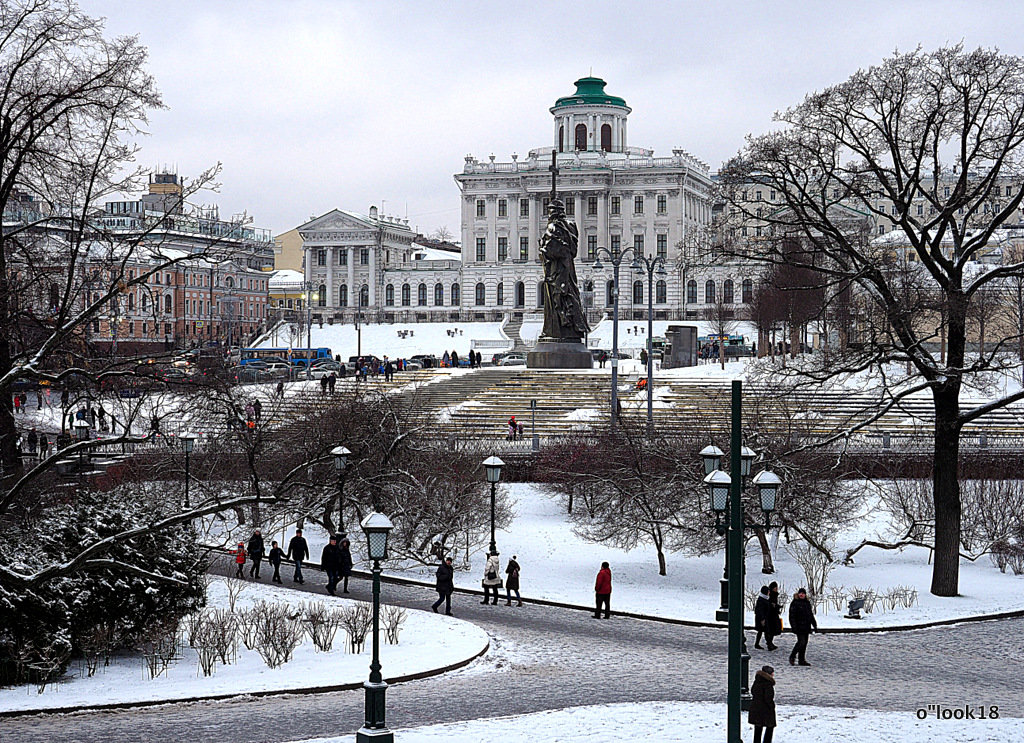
[[281, 370], [425, 360], [319, 371], [516, 358], [412, 365]]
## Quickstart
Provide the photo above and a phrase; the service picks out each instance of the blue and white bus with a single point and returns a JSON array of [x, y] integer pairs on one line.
[[297, 356]]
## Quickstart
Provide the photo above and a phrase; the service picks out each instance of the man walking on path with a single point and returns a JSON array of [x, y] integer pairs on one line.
[[766, 619], [445, 586], [802, 622], [330, 561], [276, 553], [298, 550], [256, 550], [603, 591], [512, 582], [762, 704], [345, 568]]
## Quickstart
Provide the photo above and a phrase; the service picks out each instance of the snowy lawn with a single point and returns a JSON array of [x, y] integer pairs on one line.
[[696, 722], [427, 641], [558, 566]]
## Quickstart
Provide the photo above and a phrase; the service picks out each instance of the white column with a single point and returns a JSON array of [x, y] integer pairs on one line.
[[602, 218], [331, 299], [352, 256], [535, 203], [372, 282]]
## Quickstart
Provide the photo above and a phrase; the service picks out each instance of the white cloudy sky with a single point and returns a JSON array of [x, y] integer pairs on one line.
[[315, 104]]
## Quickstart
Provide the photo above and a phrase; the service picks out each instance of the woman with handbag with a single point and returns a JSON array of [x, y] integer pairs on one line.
[[512, 583], [491, 580]]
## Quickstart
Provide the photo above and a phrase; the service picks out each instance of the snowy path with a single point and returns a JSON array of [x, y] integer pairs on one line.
[[549, 658]]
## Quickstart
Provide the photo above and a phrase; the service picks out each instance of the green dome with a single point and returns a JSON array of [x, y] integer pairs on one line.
[[590, 90]]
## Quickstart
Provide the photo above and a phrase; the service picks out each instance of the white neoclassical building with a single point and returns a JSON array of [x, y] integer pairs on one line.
[[618, 195]]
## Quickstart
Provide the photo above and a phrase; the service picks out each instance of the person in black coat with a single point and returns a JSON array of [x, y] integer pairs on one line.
[[803, 623], [762, 704], [512, 582], [298, 550], [256, 550], [766, 617], [330, 561], [275, 557], [345, 568], [445, 586]]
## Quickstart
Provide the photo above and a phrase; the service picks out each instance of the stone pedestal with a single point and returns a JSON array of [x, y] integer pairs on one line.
[[552, 354]]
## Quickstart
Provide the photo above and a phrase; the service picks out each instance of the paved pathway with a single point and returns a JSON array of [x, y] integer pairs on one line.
[[548, 658]]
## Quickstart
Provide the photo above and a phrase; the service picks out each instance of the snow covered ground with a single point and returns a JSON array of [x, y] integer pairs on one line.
[[702, 722], [426, 642], [558, 566]]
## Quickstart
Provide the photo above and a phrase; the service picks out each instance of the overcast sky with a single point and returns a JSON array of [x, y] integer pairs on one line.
[[316, 104]]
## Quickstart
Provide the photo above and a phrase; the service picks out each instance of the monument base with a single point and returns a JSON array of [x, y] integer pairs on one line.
[[550, 354]]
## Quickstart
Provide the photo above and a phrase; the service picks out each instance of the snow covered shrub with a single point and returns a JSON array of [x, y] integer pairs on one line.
[[321, 624], [277, 632], [815, 564], [393, 618], [61, 614], [356, 620]]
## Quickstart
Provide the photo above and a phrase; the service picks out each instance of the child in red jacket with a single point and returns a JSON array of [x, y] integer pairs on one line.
[[239, 560]]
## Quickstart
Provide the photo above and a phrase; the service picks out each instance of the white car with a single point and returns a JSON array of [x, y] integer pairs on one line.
[[514, 359]]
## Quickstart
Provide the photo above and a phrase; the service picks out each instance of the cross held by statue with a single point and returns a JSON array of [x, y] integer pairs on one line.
[[554, 174]]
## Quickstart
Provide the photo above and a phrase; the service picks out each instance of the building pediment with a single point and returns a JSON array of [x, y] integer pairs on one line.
[[337, 226]]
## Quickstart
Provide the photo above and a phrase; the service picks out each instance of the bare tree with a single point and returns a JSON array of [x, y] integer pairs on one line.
[[931, 142]]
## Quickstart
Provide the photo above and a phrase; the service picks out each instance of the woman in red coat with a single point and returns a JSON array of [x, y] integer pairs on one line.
[[603, 591]]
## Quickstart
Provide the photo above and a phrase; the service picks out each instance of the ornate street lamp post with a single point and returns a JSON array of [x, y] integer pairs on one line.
[[340, 454], [188, 443], [650, 265], [616, 261], [375, 729], [81, 427], [492, 466], [726, 496]]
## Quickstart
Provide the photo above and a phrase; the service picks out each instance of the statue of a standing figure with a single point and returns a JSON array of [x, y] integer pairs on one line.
[[564, 319]]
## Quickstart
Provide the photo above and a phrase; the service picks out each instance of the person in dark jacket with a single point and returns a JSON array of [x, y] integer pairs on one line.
[[275, 556], [330, 561], [256, 550], [762, 704], [345, 569], [512, 582], [766, 618], [445, 586], [803, 623], [298, 550], [603, 591]]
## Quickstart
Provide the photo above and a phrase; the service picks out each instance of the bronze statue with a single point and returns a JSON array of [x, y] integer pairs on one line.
[[564, 319]]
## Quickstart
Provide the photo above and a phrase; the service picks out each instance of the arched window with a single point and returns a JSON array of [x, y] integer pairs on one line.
[[321, 295], [168, 304], [389, 295], [660, 292], [606, 137], [588, 293], [481, 295], [456, 295], [691, 291], [520, 294], [54, 297], [540, 293], [406, 295], [343, 295], [438, 295], [581, 136], [609, 293], [501, 294], [364, 296], [748, 291], [131, 302], [421, 295], [561, 139], [709, 292], [727, 293], [638, 292], [145, 303]]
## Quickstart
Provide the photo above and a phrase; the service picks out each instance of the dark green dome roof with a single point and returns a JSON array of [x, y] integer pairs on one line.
[[590, 90]]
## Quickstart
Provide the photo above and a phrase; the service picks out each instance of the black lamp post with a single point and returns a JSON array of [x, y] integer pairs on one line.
[[616, 261], [650, 265], [188, 443], [375, 729], [340, 454], [726, 495], [492, 466], [81, 427]]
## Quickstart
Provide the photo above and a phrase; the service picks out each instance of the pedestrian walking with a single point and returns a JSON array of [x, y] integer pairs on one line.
[[256, 551], [239, 554], [24, 403], [44, 445], [17, 403], [512, 429], [445, 586], [803, 623], [512, 582], [39, 398], [603, 591], [455, 359], [49, 397], [762, 704], [345, 569], [280, 389], [257, 408], [298, 551], [766, 619], [491, 580], [33, 442], [332, 379], [274, 557], [330, 561]]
